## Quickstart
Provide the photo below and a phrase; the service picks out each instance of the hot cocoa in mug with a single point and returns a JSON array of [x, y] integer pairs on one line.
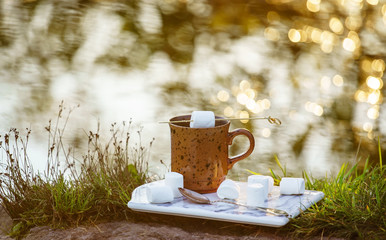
[[201, 154]]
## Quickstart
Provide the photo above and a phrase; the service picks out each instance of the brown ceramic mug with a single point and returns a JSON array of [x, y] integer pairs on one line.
[[201, 154]]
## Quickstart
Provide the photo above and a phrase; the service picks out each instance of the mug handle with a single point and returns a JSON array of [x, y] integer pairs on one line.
[[231, 136]]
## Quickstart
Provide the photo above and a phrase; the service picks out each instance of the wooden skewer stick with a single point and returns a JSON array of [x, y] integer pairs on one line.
[[269, 118]]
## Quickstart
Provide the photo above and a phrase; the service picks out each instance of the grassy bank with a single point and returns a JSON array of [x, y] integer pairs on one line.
[[99, 186], [70, 192], [354, 205]]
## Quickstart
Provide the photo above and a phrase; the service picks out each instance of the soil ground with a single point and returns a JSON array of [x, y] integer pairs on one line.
[[153, 227]]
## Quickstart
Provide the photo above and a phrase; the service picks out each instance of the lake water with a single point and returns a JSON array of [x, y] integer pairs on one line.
[[319, 87]]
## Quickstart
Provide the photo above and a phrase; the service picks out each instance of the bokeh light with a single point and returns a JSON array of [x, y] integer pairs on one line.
[[313, 5], [366, 65], [325, 83], [316, 35], [250, 93], [373, 2], [378, 65], [294, 35], [273, 16], [374, 97], [272, 34], [244, 85], [244, 114], [349, 44], [374, 83], [314, 108], [228, 111], [353, 22], [242, 98], [373, 112], [368, 127], [266, 104], [338, 80], [360, 96], [251, 104], [266, 132], [223, 96], [318, 111], [336, 25]]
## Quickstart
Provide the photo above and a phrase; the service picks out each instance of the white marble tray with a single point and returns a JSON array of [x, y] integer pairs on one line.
[[292, 204]]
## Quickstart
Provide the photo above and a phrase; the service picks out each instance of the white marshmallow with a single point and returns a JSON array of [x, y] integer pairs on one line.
[[266, 181], [228, 189], [271, 184], [174, 180], [202, 119], [158, 193], [261, 180], [256, 195], [289, 186]]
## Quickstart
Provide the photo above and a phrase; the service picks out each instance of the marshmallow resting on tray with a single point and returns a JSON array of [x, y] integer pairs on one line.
[[258, 188], [228, 189], [166, 192], [256, 195], [292, 186], [174, 180], [266, 181], [158, 193], [202, 119]]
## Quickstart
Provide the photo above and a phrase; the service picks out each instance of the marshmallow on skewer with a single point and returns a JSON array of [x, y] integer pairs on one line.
[[202, 119], [266, 181], [256, 195], [174, 180], [289, 186], [158, 193], [228, 189]]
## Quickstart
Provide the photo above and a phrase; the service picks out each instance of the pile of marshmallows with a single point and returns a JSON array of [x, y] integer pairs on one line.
[[258, 188], [166, 192]]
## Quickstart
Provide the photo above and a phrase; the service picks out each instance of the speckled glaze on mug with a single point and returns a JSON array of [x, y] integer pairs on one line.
[[201, 154]]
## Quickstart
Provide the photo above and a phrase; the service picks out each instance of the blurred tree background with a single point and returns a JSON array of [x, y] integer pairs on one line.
[[318, 65]]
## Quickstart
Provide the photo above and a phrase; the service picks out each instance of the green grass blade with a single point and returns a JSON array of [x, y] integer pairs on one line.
[[283, 169], [348, 174], [377, 196], [380, 153], [275, 177], [252, 172], [340, 176], [309, 184], [366, 165]]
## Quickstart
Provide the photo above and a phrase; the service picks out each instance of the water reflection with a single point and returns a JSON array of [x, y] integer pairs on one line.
[[318, 66]]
